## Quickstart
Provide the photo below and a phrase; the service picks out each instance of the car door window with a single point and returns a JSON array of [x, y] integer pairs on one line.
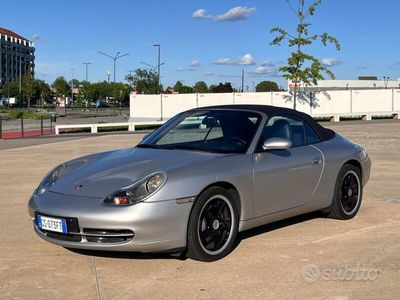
[[312, 137], [287, 127]]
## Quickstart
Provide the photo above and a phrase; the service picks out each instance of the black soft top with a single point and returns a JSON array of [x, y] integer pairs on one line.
[[324, 133]]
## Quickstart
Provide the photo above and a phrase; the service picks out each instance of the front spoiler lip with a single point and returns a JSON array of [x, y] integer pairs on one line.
[[131, 246]]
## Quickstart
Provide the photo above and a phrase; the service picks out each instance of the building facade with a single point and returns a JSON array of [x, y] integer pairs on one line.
[[17, 57]]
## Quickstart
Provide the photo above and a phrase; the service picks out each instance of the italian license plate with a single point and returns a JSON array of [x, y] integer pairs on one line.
[[52, 224]]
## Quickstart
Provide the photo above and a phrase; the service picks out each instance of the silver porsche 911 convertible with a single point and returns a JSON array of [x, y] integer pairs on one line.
[[193, 184]]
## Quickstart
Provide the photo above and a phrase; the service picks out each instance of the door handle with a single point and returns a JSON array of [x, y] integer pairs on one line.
[[317, 161]]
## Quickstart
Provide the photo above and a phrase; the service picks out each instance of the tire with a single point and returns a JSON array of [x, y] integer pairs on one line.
[[348, 193], [213, 225]]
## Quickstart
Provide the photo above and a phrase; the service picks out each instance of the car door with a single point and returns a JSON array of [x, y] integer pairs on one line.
[[285, 179]]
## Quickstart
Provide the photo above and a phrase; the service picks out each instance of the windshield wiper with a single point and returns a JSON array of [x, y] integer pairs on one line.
[[147, 146], [194, 148]]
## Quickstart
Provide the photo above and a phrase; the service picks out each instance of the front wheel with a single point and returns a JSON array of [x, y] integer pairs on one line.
[[348, 193], [213, 225]]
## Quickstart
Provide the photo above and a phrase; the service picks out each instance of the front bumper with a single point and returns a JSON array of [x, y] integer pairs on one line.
[[144, 227]]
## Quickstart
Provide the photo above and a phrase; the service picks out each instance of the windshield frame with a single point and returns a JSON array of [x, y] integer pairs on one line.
[[174, 121]]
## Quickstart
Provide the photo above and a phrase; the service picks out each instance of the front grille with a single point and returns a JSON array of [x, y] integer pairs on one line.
[[107, 235]]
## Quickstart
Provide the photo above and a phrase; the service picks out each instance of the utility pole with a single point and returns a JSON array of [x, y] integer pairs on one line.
[[242, 80], [72, 86], [158, 65], [87, 67], [20, 74], [114, 58]]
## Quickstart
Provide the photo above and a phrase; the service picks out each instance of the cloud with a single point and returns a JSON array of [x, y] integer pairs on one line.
[[194, 63], [267, 63], [191, 69], [223, 61], [200, 14], [363, 67], [209, 74], [330, 62], [245, 60], [35, 38], [180, 69], [267, 69], [238, 13]]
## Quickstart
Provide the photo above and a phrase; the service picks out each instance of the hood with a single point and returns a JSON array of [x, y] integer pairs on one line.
[[101, 174]]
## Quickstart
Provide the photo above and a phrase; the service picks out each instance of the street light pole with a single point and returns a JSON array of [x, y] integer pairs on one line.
[[159, 65], [72, 86], [386, 81], [87, 67], [114, 58]]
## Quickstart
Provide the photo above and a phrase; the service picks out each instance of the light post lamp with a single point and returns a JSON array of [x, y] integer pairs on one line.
[[114, 58], [158, 66], [386, 81], [87, 68]]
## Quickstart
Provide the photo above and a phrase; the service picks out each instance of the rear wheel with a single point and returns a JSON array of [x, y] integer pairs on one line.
[[213, 225], [348, 193]]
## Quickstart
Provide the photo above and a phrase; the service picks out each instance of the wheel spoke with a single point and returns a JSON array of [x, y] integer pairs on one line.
[[215, 225]]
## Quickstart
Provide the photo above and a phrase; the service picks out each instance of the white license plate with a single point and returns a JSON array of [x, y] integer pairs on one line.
[[52, 224]]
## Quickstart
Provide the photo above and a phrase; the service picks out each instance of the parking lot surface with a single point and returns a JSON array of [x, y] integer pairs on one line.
[[307, 257]]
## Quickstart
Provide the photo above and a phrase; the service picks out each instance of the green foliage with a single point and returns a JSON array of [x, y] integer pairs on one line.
[[200, 87], [12, 89], [61, 86], [29, 88], [267, 86], [178, 85], [222, 88], [186, 90], [44, 90], [302, 67], [145, 81], [27, 115]]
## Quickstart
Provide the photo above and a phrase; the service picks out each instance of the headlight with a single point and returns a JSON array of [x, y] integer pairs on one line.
[[50, 179], [137, 192]]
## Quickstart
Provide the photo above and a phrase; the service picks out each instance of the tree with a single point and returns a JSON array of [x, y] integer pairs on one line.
[[185, 89], [267, 86], [43, 89], [12, 89], [303, 68], [222, 88], [61, 86], [145, 81], [178, 85], [200, 87], [29, 88]]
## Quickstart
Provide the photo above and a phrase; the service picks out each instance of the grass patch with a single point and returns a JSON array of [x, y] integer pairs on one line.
[[27, 115]]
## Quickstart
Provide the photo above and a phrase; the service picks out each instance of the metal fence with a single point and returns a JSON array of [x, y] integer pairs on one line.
[[21, 127]]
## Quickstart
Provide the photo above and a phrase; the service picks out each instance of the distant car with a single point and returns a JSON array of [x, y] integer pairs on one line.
[[198, 180]]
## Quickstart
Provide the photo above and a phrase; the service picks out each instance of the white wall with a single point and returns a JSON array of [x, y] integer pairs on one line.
[[148, 107]]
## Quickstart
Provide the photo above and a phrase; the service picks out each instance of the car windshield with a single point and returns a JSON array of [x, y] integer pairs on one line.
[[221, 131]]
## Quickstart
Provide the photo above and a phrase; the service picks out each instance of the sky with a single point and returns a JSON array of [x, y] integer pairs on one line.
[[211, 40]]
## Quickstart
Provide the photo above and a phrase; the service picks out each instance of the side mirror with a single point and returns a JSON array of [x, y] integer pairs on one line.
[[276, 143]]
